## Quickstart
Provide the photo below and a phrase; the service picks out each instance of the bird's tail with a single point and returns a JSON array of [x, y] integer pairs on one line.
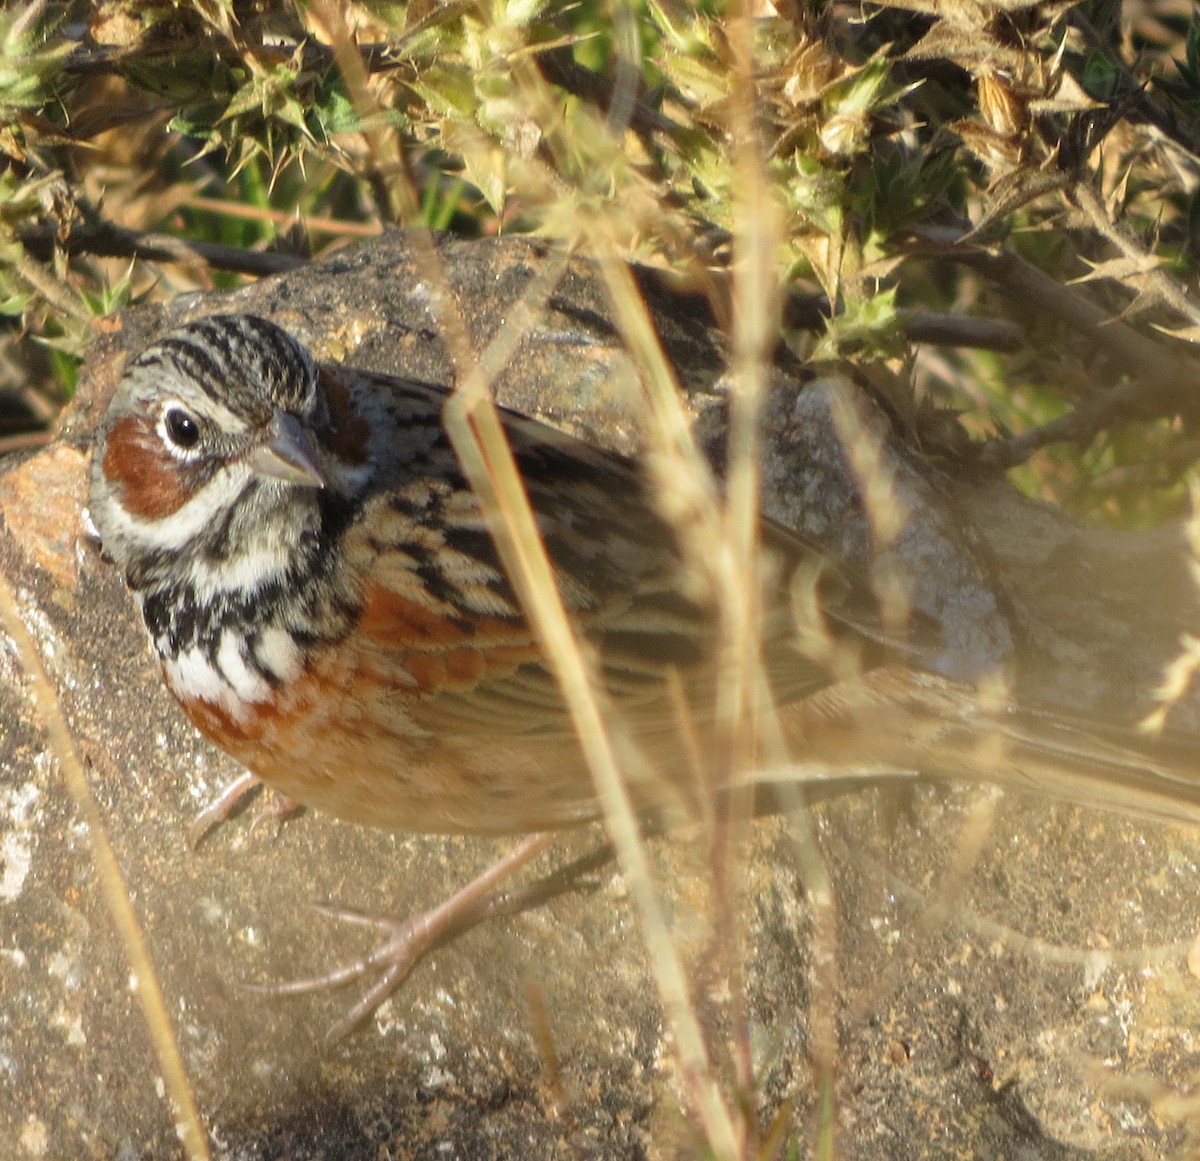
[[903, 723]]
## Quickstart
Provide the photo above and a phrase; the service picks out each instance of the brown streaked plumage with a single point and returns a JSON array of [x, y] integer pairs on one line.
[[328, 606]]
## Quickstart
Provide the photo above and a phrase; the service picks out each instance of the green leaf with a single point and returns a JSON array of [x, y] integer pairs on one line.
[[867, 326], [1100, 78]]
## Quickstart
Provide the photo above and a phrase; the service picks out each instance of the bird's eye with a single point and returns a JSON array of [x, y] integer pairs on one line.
[[182, 429]]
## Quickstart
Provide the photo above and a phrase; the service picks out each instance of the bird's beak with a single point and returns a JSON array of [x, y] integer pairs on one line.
[[287, 454]]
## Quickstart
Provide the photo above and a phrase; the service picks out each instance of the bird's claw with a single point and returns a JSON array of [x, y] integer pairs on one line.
[[275, 809], [408, 942]]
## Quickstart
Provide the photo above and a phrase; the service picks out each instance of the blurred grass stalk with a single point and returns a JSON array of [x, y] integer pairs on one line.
[[719, 526]]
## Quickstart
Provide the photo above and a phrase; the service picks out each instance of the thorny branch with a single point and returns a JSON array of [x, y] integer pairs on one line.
[[1155, 378]]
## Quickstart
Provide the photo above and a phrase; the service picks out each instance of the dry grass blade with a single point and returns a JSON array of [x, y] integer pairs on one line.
[[388, 173], [108, 871], [474, 428], [315, 224]]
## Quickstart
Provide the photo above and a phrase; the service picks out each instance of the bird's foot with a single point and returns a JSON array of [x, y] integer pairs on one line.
[[407, 941], [232, 797]]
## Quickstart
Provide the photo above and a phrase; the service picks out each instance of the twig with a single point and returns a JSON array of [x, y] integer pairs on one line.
[[1162, 378], [1078, 426], [320, 225], [43, 410], [807, 310], [1171, 292], [956, 330], [59, 294], [26, 441], [258, 263], [1135, 353], [105, 240], [560, 68]]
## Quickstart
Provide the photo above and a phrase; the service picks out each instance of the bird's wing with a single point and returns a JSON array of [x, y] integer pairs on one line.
[[439, 606]]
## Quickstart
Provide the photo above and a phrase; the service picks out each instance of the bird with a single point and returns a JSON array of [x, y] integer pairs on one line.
[[328, 605]]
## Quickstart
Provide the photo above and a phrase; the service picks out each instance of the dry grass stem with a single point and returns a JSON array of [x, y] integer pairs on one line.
[[108, 872]]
